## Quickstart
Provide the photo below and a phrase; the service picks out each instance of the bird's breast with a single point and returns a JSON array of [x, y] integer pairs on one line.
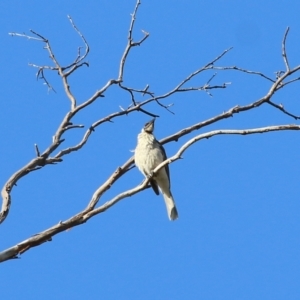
[[147, 156]]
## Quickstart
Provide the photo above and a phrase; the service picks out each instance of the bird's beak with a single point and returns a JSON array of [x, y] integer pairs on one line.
[[149, 126]]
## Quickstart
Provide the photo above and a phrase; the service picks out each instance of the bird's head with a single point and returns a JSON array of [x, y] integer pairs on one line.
[[149, 126]]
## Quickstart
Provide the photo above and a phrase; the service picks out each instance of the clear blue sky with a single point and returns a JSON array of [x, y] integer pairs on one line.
[[238, 196]]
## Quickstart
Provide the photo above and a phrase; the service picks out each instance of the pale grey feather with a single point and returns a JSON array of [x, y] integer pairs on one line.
[[149, 153]]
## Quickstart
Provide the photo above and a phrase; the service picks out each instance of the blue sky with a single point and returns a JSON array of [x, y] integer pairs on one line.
[[237, 196]]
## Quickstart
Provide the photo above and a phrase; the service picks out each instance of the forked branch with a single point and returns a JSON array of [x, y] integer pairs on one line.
[[140, 98], [90, 211]]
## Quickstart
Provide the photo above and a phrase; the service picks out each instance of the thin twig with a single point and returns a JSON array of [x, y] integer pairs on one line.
[[285, 59], [280, 107], [130, 42], [40, 75], [26, 36], [244, 71], [37, 151]]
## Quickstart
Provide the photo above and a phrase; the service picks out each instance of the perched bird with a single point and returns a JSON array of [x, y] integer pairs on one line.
[[148, 154]]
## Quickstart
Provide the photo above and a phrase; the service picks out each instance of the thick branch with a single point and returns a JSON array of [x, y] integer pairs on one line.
[[282, 79], [137, 106], [89, 212]]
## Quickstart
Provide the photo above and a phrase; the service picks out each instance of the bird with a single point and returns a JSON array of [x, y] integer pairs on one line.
[[148, 154]]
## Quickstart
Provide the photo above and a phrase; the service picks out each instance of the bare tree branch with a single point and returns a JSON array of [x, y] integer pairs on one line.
[[57, 138], [91, 211], [138, 106], [280, 107], [130, 42], [244, 71], [48, 156], [285, 59], [26, 36], [79, 61], [40, 75]]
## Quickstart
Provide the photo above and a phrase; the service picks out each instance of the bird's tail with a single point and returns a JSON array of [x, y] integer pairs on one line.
[[171, 207]]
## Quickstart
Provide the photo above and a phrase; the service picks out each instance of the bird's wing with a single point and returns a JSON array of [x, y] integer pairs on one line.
[[154, 186], [162, 149]]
